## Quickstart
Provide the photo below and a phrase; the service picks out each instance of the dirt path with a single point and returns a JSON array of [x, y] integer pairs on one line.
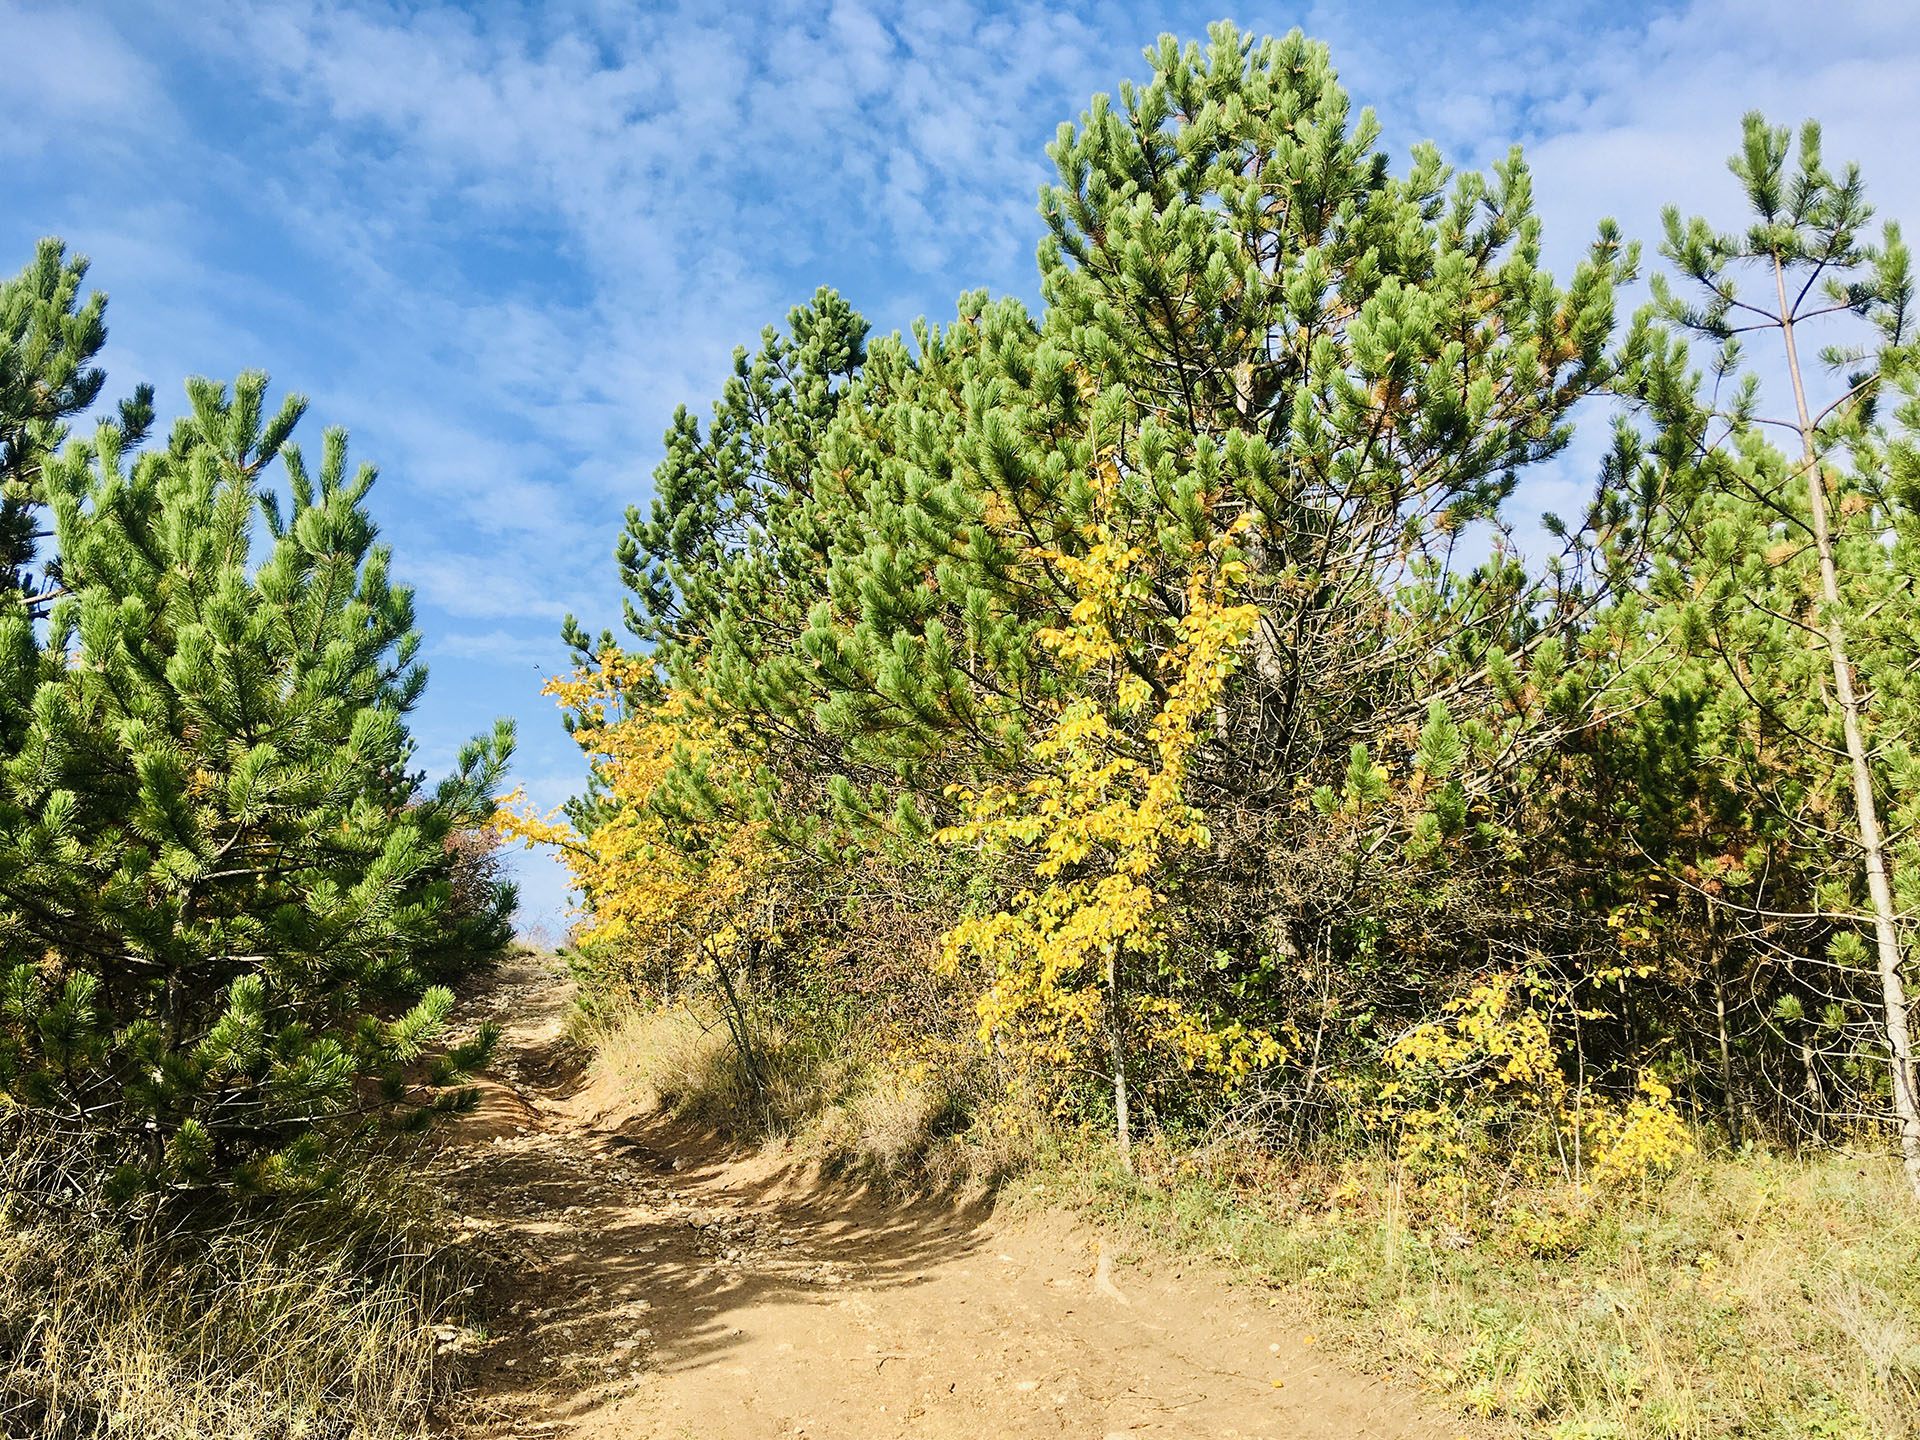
[[662, 1287]]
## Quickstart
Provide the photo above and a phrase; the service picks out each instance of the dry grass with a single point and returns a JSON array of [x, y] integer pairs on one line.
[[1749, 1296], [840, 1098], [337, 1318]]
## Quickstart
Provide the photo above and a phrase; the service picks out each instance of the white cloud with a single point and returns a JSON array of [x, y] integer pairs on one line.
[[472, 587], [1622, 110], [679, 179]]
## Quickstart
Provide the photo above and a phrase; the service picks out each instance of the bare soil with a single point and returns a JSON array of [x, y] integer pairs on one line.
[[659, 1283]]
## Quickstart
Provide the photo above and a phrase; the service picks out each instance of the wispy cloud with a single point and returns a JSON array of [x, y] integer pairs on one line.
[[69, 70], [472, 587]]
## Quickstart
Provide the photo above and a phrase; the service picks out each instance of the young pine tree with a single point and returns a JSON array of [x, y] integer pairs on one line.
[[217, 871]]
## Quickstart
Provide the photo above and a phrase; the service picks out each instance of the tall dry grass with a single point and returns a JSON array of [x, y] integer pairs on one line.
[[336, 1316]]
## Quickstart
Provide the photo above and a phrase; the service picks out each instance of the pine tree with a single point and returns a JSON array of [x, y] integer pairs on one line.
[[1790, 571], [217, 870], [49, 339], [796, 572], [727, 501], [1259, 331]]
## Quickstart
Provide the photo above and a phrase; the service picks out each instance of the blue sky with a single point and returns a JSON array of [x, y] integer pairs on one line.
[[501, 242]]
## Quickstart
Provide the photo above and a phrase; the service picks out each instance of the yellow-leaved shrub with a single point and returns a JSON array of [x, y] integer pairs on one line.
[[672, 904], [1479, 1099], [1101, 812]]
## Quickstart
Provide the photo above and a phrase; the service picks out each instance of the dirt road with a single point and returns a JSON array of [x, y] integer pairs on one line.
[[661, 1286]]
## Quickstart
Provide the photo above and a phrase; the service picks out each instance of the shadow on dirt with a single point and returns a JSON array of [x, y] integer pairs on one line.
[[671, 1267], [633, 1246]]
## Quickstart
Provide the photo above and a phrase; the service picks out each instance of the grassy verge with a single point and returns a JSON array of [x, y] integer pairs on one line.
[[336, 1318], [1749, 1296]]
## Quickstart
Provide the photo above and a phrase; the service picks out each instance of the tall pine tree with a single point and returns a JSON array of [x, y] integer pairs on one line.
[[1789, 567], [1253, 328]]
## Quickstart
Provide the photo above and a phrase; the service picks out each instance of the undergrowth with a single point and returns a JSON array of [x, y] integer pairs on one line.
[[335, 1316], [836, 1095]]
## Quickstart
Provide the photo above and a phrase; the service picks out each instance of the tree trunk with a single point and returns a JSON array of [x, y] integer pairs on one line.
[[1816, 1094], [1123, 1130], [1726, 1044], [736, 1015], [1324, 966], [1893, 995]]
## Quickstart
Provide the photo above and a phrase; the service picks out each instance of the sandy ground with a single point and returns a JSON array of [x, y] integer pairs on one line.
[[660, 1285]]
